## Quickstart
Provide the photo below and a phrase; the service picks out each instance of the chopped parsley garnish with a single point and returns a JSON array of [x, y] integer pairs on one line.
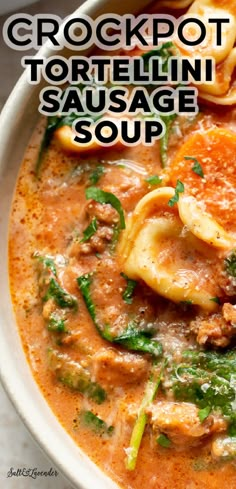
[[163, 441], [178, 190], [154, 180], [197, 168], [215, 299], [128, 293], [89, 231]]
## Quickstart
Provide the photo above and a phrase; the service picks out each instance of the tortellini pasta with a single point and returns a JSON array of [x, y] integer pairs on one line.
[[201, 224], [221, 91], [174, 249], [212, 9]]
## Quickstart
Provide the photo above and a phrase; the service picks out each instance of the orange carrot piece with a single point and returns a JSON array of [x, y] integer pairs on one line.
[[215, 151]]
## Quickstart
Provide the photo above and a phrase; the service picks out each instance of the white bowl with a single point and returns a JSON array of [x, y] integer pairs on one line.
[[17, 122]]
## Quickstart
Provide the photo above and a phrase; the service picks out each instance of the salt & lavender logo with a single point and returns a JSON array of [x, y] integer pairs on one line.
[[31, 472]]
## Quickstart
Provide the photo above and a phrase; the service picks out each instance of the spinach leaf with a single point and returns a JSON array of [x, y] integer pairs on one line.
[[50, 289], [203, 389], [131, 338], [89, 231], [74, 376], [128, 293], [47, 263], [60, 296], [54, 290], [84, 283], [207, 379], [106, 198], [56, 323], [53, 123], [230, 264], [138, 340], [178, 189], [222, 364], [96, 424], [51, 126], [163, 52], [96, 174], [204, 413]]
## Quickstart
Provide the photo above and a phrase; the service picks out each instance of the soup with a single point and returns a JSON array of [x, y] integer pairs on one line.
[[123, 278]]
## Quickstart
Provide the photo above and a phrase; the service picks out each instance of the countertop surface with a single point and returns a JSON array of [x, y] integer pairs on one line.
[[17, 449]]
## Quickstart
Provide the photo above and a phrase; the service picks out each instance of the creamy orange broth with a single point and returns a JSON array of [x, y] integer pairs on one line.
[[48, 213]]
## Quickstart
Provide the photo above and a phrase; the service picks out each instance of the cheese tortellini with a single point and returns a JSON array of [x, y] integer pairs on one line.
[[212, 9], [201, 224], [174, 249], [222, 90]]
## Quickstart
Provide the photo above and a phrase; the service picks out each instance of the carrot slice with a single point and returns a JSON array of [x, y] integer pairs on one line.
[[215, 151]]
